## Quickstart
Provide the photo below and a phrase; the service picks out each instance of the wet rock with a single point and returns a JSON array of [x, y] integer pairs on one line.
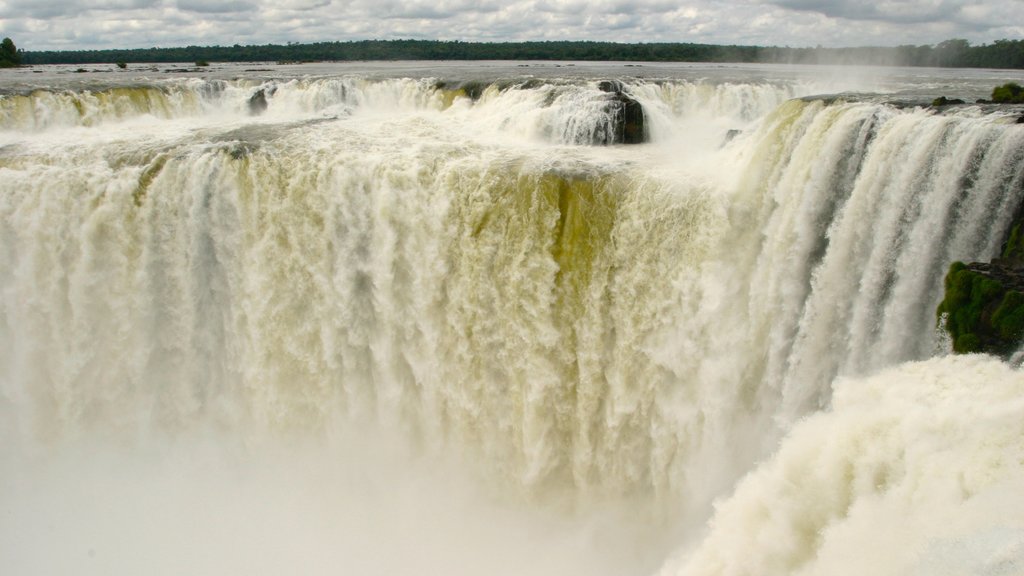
[[629, 123], [613, 86], [258, 102], [943, 101], [730, 135]]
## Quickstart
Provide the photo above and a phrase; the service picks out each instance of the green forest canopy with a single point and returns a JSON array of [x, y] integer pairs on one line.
[[9, 55], [951, 53]]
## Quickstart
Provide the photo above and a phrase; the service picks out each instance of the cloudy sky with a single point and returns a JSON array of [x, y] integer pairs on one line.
[[65, 24]]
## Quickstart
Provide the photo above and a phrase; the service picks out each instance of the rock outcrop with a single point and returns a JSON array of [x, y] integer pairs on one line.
[[629, 124], [943, 101], [258, 102], [1009, 93]]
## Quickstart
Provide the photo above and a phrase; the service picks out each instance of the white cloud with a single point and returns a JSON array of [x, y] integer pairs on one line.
[[986, 12], [65, 24], [216, 6], [48, 9]]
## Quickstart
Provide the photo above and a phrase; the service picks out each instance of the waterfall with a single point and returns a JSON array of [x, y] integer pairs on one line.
[[454, 266]]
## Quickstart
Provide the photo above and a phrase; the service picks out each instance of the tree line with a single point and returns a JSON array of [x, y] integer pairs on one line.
[[9, 54], [951, 53]]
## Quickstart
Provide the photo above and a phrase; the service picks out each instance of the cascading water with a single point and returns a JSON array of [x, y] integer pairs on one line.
[[374, 274]]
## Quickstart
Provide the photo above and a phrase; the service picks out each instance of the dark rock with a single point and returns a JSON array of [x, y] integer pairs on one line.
[[258, 102], [730, 135], [629, 123], [943, 101], [1020, 119], [612, 86], [472, 89]]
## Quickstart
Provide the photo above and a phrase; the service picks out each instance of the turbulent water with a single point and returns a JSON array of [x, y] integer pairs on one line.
[[402, 318]]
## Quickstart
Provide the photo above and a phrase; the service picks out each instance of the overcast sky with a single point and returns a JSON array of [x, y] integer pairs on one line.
[[66, 24]]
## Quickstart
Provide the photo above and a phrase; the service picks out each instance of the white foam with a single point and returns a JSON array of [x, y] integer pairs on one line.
[[916, 470]]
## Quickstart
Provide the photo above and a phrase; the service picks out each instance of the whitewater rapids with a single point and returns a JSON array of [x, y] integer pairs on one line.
[[397, 324]]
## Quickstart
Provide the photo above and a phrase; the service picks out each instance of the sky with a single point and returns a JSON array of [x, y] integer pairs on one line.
[[93, 24]]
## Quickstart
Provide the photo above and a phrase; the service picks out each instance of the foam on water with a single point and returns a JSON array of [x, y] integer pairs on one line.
[[916, 470]]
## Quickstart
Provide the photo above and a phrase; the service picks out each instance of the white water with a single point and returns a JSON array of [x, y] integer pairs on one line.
[[919, 473], [385, 328]]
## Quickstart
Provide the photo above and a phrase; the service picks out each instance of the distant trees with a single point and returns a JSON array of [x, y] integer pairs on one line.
[[408, 50], [951, 53], [9, 55], [955, 53]]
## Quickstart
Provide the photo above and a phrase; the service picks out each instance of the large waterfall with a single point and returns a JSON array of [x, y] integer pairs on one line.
[[362, 324]]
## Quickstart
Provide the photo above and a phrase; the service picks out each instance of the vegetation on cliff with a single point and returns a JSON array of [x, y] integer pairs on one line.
[[982, 313], [983, 308]]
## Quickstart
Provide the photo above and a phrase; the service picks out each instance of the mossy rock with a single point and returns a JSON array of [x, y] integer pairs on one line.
[[1013, 250], [967, 344], [1008, 318], [1009, 93], [981, 315]]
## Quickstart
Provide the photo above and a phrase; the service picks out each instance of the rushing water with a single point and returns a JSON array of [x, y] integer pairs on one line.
[[409, 319]]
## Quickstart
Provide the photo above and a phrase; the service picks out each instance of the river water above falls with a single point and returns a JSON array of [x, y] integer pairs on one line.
[[419, 318]]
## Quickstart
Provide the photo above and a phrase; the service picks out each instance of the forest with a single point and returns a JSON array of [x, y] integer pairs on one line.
[[956, 53], [9, 54]]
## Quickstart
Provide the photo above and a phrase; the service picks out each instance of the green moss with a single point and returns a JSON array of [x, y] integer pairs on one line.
[[967, 344], [1014, 249], [963, 305], [981, 315], [1008, 318], [1009, 93], [966, 294]]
